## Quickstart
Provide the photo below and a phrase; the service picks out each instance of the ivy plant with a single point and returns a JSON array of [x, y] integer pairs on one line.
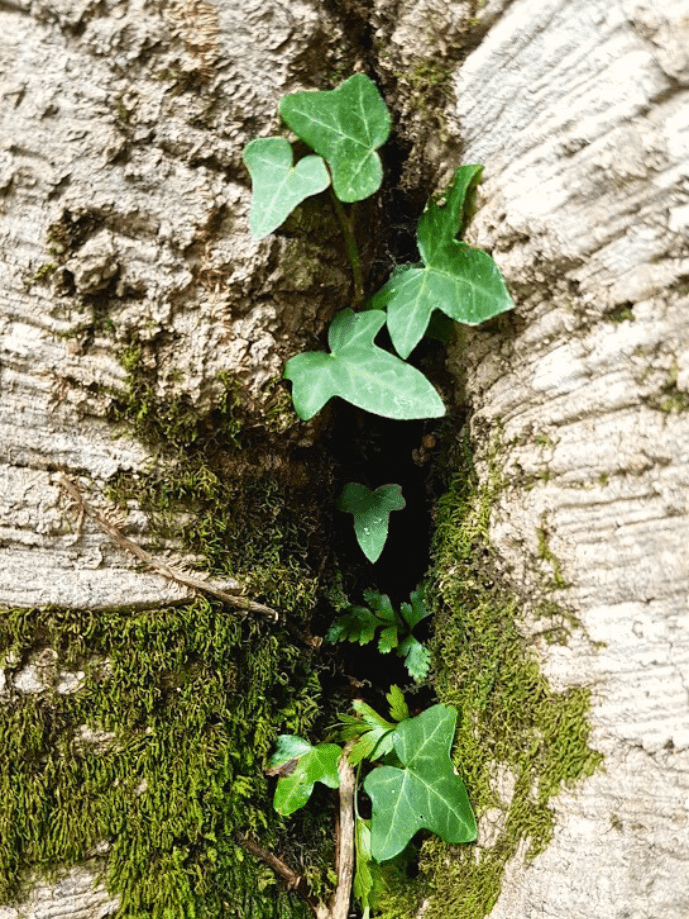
[[461, 281], [415, 788], [360, 372], [403, 763], [371, 511], [300, 766], [345, 128]]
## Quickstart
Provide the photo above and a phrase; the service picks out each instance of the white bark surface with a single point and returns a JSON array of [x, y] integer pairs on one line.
[[580, 113], [98, 136]]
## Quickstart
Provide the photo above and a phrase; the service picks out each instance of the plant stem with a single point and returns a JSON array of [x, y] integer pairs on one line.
[[351, 248]]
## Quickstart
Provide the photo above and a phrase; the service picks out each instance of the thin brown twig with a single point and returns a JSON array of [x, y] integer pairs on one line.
[[172, 574], [295, 881], [344, 856]]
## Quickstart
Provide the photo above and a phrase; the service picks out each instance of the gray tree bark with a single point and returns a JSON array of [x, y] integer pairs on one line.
[[122, 189]]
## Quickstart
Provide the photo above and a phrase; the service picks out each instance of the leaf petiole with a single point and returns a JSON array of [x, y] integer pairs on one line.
[[346, 221]]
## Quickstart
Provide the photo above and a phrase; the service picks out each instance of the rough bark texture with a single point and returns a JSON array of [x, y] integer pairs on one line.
[[581, 116], [123, 220]]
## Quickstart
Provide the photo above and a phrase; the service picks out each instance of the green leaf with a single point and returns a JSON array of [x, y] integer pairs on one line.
[[399, 710], [441, 223], [278, 186], [464, 283], [308, 765], [425, 793], [371, 510], [360, 372], [364, 876], [417, 657], [359, 624], [345, 125], [414, 613], [372, 732]]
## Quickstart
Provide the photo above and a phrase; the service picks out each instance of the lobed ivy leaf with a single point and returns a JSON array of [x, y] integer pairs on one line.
[[360, 372], [278, 186], [463, 282], [371, 510], [345, 125], [425, 792], [300, 766]]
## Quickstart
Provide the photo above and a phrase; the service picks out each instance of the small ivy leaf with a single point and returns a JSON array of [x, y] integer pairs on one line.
[[278, 186], [360, 372], [399, 710], [371, 510], [425, 793], [441, 224], [345, 125], [314, 764], [463, 282]]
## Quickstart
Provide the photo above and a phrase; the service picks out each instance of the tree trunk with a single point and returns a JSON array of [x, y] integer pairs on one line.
[[132, 292]]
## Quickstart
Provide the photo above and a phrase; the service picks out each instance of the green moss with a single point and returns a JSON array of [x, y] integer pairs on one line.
[[510, 719], [545, 552], [672, 398], [193, 698], [43, 273], [621, 313]]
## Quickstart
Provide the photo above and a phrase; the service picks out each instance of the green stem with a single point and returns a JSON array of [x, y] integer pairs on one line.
[[351, 248]]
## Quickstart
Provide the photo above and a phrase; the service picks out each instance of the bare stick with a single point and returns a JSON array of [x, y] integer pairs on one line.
[[295, 881], [339, 904], [172, 574], [344, 857]]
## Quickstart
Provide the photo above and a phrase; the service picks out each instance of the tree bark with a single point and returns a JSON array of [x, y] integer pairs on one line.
[[123, 219]]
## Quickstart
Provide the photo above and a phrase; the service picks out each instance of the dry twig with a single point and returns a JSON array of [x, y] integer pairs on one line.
[[339, 903], [172, 574]]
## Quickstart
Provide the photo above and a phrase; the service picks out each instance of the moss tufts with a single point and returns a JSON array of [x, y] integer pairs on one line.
[[511, 722], [159, 754]]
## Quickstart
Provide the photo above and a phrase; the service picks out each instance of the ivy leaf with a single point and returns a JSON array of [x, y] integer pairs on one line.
[[425, 793], [371, 510], [307, 765], [278, 186], [441, 223], [360, 372], [463, 282], [345, 125]]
